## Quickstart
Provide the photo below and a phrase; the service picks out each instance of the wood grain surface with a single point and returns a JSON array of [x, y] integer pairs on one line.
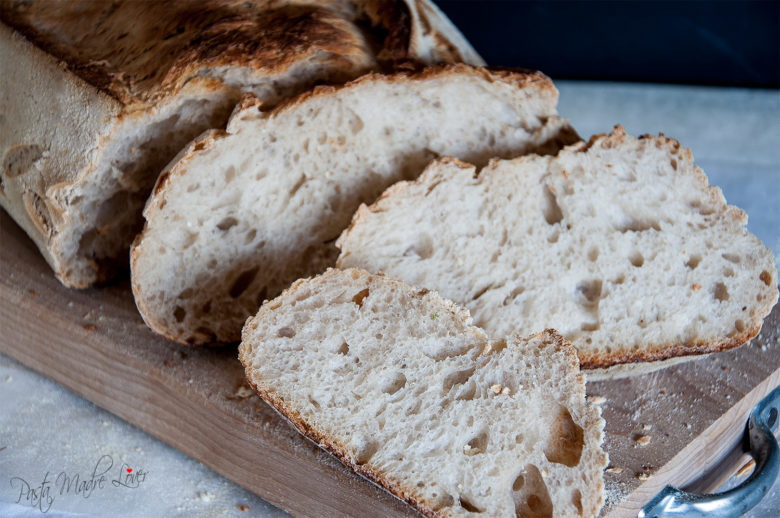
[[663, 427]]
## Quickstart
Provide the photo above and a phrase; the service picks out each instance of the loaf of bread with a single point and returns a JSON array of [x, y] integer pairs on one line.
[[397, 383], [97, 97], [620, 244], [242, 214]]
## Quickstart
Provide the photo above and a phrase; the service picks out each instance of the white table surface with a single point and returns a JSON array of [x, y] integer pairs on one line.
[[735, 138]]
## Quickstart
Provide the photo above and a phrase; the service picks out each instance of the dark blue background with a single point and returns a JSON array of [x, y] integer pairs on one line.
[[733, 43]]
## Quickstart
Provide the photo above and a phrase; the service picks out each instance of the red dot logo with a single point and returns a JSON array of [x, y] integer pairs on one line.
[[129, 470]]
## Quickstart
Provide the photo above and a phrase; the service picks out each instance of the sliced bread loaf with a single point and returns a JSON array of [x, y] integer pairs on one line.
[[619, 243], [399, 385], [97, 97], [242, 214]]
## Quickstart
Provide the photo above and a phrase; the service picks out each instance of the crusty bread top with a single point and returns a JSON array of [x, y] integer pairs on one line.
[[619, 243], [397, 383], [241, 214], [141, 50]]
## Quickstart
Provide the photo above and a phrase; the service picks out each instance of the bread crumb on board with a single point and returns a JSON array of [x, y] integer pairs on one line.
[[597, 400], [642, 440]]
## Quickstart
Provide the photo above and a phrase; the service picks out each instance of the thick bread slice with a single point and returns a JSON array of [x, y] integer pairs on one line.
[[97, 97], [620, 244], [244, 213], [397, 383]]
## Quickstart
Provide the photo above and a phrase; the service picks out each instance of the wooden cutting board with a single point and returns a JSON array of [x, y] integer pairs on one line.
[[669, 425]]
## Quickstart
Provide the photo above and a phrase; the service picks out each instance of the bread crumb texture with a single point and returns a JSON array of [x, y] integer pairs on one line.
[[619, 243], [243, 214], [431, 409]]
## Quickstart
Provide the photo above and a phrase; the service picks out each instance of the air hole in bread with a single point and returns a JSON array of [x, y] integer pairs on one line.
[[693, 261], [243, 281], [423, 247], [356, 124], [395, 383], [590, 326], [637, 259], [740, 326], [728, 272], [19, 159], [227, 223], [467, 391], [179, 313], [285, 332], [576, 500], [566, 439], [314, 402], [193, 187], [720, 292], [322, 138], [481, 292], [519, 482], [206, 308], [766, 278], [250, 236], [343, 349], [593, 253], [298, 185], [550, 207], [477, 444], [230, 174], [360, 296], [532, 500], [732, 258], [456, 378], [516, 292], [589, 292], [468, 505], [633, 225]]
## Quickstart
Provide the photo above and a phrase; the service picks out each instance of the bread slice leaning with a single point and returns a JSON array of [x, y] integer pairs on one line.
[[97, 97], [620, 244], [244, 213], [397, 383]]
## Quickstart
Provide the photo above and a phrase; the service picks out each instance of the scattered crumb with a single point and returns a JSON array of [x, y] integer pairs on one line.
[[496, 389], [205, 496], [614, 469], [642, 440], [597, 400], [747, 468], [695, 287], [505, 391], [243, 507], [646, 427], [644, 476], [434, 316], [243, 392]]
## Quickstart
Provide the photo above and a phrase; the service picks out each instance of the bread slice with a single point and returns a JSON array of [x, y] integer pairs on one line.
[[97, 97], [620, 244], [397, 383], [244, 213]]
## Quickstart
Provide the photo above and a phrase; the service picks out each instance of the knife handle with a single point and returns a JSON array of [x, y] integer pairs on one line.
[[760, 443]]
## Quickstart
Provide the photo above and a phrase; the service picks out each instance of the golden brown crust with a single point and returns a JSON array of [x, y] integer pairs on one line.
[[666, 352], [171, 41]]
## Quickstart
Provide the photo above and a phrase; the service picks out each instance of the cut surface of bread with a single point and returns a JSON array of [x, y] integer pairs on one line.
[[242, 214], [97, 97], [620, 244], [397, 383]]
